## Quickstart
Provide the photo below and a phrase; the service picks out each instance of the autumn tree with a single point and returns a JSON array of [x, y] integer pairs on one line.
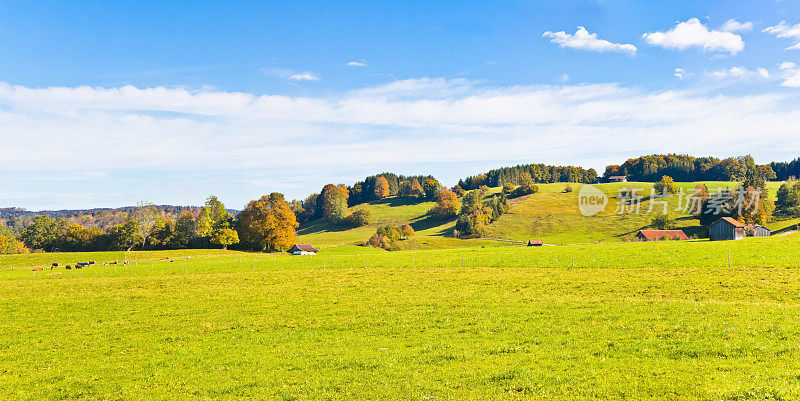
[[407, 231], [225, 237], [665, 186], [381, 188], [8, 242], [431, 188], [416, 189], [446, 205], [471, 202], [268, 223], [473, 225], [205, 224], [334, 203], [526, 185]]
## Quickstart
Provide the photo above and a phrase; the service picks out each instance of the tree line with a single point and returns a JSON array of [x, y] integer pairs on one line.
[[540, 173], [266, 224], [686, 168], [332, 202]]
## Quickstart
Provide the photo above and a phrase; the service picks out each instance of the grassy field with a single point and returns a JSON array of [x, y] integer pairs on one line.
[[551, 215], [665, 320]]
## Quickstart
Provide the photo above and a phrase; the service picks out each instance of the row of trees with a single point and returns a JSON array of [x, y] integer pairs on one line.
[[332, 202], [786, 170], [386, 236], [687, 168], [537, 172], [266, 224]]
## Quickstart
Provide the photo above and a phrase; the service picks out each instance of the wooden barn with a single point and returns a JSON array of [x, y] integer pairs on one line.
[[303, 249], [535, 242], [618, 178], [657, 235], [726, 229], [755, 230]]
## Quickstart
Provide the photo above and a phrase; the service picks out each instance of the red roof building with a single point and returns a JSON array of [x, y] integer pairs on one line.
[[656, 235]]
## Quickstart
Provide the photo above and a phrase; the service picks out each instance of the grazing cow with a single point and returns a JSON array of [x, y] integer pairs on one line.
[[54, 265], [38, 269], [68, 267], [113, 263], [79, 266]]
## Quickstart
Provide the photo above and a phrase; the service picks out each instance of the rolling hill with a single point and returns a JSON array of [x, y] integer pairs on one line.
[[551, 215]]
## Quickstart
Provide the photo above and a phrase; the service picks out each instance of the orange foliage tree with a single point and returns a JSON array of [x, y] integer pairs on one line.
[[381, 188], [268, 224]]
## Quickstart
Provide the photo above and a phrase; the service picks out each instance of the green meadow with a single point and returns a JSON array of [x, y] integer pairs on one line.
[[665, 320], [551, 215]]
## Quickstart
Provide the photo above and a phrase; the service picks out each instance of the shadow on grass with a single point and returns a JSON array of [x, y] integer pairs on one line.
[[427, 222], [319, 225]]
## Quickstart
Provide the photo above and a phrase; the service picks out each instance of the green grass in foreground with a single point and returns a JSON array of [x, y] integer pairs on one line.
[[664, 320]]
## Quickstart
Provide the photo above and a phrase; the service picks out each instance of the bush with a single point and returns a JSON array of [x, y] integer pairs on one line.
[[458, 191], [508, 188], [472, 225], [407, 231], [358, 218], [446, 205], [666, 185], [663, 222], [568, 188], [523, 190], [391, 233]]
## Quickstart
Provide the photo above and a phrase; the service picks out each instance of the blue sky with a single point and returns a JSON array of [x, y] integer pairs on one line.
[[105, 105]]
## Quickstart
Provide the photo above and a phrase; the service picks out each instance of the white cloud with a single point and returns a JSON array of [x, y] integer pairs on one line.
[[732, 25], [436, 123], [786, 31], [304, 76], [693, 33], [563, 78], [356, 64], [584, 40], [740, 73], [680, 73], [292, 75], [791, 74]]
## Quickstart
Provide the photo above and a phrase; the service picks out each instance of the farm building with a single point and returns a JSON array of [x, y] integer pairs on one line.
[[618, 178], [726, 229], [535, 242], [755, 230], [656, 235], [303, 249]]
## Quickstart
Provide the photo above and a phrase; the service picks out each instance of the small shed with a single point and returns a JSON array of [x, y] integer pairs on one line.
[[303, 249], [726, 229], [756, 230], [535, 242], [656, 235], [618, 178]]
